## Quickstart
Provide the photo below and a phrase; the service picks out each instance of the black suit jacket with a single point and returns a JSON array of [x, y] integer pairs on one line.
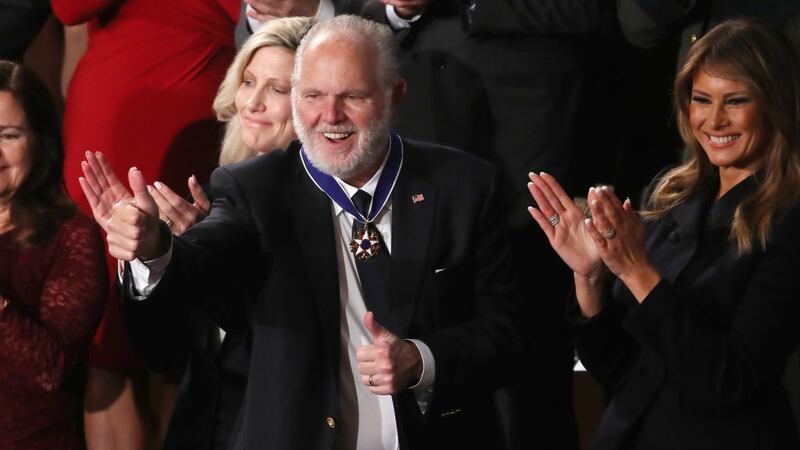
[[698, 364], [243, 30], [649, 23], [271, 230]]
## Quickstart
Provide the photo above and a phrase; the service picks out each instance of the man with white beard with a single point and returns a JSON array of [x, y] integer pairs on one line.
[[385, 310]]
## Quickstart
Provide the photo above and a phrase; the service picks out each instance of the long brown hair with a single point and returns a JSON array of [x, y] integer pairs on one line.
[[39, 204], [765, 61]]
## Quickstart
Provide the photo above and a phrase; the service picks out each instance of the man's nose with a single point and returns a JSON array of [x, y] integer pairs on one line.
[[333, 111]]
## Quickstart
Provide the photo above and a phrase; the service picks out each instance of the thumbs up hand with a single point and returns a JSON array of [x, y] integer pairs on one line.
[[133, 230], [390, 364]]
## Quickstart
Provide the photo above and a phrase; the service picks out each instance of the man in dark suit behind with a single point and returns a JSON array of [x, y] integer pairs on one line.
[[389, 336], [256, 12]]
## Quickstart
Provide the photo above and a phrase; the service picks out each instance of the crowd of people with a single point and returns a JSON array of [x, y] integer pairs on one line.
[[360, 271]]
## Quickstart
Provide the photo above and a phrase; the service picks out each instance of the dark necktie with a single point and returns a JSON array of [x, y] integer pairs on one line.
[[373, 270]]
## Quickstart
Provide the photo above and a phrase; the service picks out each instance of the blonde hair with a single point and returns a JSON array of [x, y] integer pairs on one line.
[[765, 61], [283, 33]]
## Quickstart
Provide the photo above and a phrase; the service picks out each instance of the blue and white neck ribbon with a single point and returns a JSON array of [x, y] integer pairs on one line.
[[327, 184]]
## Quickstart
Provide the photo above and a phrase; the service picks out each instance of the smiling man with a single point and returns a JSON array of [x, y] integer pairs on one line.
[[385, 306]]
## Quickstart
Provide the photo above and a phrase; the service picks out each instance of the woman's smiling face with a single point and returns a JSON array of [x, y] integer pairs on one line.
[[727, 121]]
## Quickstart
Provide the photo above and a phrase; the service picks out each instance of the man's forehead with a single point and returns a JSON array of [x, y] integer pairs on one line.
[[334, 41]]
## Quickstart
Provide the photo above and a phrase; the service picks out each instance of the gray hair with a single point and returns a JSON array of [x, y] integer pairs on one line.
[[357, 29]]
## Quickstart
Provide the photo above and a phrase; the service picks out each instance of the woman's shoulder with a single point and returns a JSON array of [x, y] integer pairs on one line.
[[787, 224], [77, 228]]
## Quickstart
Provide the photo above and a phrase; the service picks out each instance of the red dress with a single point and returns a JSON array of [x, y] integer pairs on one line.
[[56, 293], [142, 94]]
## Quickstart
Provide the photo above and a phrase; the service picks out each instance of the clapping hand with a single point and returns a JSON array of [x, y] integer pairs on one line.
[[177, 212], [618, 235], [564, 225], [101, 187]]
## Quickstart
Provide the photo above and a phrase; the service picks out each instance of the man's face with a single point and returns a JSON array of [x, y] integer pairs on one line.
[[342, 112]]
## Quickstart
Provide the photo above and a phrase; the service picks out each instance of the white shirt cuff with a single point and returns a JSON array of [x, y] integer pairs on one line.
[[428, 366], [397, 22], [147, 274], [325, 11]]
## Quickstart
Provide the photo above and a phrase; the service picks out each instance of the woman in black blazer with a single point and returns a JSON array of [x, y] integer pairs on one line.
[[692, 336]]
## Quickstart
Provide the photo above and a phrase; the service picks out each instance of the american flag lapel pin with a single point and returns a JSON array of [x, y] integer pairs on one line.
[[417, 198]]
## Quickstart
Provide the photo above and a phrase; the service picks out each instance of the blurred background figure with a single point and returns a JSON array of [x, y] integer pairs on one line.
[[693, 336], [255, 13], [254, 102], [20, 22], [648, 23], [53, 282], [141, 93]]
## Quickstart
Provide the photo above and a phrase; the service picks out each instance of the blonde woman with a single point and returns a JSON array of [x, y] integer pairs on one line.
[[254, 101], [693, 335]]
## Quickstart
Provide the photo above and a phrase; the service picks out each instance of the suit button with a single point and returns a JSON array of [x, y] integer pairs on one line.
[[331, 422], [674, 236]]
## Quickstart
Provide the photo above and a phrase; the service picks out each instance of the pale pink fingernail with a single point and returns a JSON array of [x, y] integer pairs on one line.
[[158, 184]]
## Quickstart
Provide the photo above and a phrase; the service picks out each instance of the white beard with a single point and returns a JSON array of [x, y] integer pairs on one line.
[[367, 149]]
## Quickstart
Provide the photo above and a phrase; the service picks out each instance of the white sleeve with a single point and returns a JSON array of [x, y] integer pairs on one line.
[[423, 390], [397, 22], [147, 274]]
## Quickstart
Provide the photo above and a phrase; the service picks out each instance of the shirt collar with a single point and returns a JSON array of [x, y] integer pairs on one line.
[[369, 187]]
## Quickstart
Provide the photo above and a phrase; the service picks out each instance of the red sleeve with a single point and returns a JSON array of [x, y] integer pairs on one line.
[[43, 350], [73, 12]]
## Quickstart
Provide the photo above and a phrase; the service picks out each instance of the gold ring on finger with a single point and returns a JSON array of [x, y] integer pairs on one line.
[[371, 383]]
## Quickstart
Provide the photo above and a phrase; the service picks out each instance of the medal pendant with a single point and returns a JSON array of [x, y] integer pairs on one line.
[[366, 243]]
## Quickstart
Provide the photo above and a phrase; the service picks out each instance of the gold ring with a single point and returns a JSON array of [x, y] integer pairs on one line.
[[371, 383], [169, 222], [610, 233]]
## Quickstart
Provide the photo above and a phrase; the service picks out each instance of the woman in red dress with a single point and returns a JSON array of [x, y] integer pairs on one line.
[[52, 275], [142, 93]]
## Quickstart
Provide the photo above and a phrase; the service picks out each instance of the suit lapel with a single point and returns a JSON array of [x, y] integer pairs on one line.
[[313, 223], [413, 207], [684, 226]]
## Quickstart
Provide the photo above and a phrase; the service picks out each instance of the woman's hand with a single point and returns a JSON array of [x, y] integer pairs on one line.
[[618, 234], [177, 212], [563, 224], [101, 187]]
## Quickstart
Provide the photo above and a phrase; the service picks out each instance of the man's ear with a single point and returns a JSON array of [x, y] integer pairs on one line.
[[398, 92]]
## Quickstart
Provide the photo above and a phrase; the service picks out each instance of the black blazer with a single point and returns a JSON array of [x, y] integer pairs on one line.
[[271, 230], [698, 364], [243, 30]]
